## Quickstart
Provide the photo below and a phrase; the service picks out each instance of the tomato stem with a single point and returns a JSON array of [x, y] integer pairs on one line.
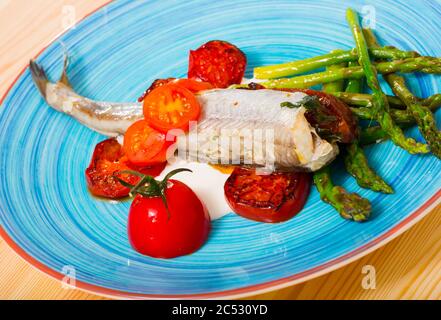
[[148, 186]]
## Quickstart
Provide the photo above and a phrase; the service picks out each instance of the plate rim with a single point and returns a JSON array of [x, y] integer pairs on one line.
[[261, 288], [242, 292]]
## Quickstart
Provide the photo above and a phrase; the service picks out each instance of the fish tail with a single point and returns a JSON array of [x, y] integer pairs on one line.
[[39, 77], [64, 78]]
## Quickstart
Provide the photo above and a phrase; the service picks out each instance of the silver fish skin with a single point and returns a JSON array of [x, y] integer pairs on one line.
[[281, 137], [108, 118]]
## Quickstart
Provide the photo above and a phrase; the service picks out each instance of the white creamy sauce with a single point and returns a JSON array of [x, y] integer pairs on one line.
[[206, 182]]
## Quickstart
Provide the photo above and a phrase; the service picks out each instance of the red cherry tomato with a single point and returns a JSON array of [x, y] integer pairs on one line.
[[107, 159], [218, 62], [270, 198], [344, 125], [145, 146], [157, 233], [171, 107]]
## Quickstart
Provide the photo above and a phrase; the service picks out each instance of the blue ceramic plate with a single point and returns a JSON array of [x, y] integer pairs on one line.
[[50, 219]]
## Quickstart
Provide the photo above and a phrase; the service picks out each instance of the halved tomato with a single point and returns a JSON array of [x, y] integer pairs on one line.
[[107, 159], [275, 197], [171, 107], [143, 145], [190, 84]]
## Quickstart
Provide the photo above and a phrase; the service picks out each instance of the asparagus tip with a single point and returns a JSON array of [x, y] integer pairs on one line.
[[354, 207]]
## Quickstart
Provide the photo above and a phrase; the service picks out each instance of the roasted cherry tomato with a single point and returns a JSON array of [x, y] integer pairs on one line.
[[171, 107], [217, 62], [108, 158], [275, 197], [335, 118], [157, 232], [153, 170], [145, 146], [190, 84], [155, 84]]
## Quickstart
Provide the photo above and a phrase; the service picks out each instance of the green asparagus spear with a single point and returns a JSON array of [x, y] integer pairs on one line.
[[380, 104], [432, 102], [354, 85], [365, 100], [357, 165], [337, 85], [424, 64], [372, 42], [422, 114], [346, 204], [372, 135], [401, 117], [375, 134], [398, 116], [355, 160], [350, 205], [297, 67]]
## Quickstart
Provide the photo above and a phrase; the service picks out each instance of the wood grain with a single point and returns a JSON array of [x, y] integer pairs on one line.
[[409, 267]]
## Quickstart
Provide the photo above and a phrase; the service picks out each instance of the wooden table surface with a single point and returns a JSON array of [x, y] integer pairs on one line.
[[409, 267]]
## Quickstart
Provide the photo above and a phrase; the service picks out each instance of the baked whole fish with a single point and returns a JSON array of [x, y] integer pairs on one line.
[[235, 127]]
